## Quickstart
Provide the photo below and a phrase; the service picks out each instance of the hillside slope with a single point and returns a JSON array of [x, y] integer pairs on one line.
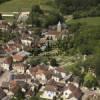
[[24, 5], [92, 21]]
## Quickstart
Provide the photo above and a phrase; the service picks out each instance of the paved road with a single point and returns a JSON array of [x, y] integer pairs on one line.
[[5, 77]]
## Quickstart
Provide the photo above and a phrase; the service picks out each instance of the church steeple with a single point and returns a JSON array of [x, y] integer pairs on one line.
[[59, 27]]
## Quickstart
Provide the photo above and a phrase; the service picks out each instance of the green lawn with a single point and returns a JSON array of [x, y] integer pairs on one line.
[[88, 21], [63, 60], [23, 5]]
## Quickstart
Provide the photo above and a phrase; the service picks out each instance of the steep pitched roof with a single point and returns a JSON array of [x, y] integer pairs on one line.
[[41, 69], [76, 91], [60, 69], [51, 88], [22, 76], [51, 32]]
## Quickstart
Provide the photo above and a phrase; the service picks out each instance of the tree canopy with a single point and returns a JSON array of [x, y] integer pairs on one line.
[[40, 18], [69, 6], [1, 1]]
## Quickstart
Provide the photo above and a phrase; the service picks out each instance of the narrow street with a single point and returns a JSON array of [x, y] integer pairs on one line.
[[5, 77]]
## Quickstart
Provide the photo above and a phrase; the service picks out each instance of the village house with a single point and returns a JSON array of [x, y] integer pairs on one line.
[[22, 77], [56, 33], [43, 42], [91, 95], [14, 87], [23, 85], [2, 52], [56, 77], [1, 70], [40, 73], [52, 35], [29, 90], [23, 17], [33, 88], [2, 94], [20, 56], [59, 85], [50, 92], [71, 92], [6, 63], [52, 89], [61, 71], [4, 25], [27, 41], [5, 85], [19, 67], [26, 38], [12, 47]]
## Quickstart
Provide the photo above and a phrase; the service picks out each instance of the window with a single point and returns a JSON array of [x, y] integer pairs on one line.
[[49, 94], [65, 93]]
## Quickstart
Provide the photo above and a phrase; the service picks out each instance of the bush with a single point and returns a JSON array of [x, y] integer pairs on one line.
[[34, 62], [0, 16], [95, 11], [90, 80], [76, 15], [53, 62]]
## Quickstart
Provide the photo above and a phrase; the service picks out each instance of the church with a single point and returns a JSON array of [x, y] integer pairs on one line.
[[56, 32]]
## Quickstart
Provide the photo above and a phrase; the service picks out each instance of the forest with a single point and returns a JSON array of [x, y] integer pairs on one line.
[[70, 6]]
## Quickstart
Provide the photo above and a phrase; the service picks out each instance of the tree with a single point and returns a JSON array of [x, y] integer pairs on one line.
[[38, 18], [90, 80], [65, 44], [53, 62], [1, 16], [37, 9], [70, 6], [76, 15], [19, 94], [34, 15], [37, 32], [48, 47], [74, 68], [36, 51], [34, 98], [2, 1], [97, 65], [53, 18], [14, 25], [34, 62]]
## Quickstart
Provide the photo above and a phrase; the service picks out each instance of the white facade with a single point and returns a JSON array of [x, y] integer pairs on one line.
[[55, 78], [63, 74], [66, 93], [59, 27], [48, 95], [19, 69], [51, 36], [41, 77], [5, 66], [26, 42]]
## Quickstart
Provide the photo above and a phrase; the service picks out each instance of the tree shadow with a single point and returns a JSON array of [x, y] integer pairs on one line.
[[3, 1]]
